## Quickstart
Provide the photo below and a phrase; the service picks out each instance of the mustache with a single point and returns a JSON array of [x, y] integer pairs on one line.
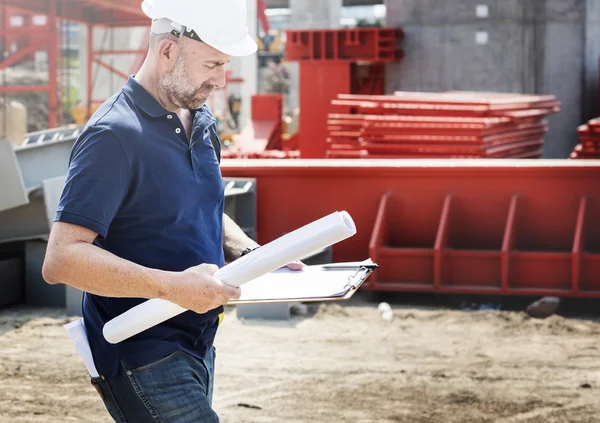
[[208, 88]]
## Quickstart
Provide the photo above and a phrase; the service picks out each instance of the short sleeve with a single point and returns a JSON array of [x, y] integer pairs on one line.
[[97, 182]]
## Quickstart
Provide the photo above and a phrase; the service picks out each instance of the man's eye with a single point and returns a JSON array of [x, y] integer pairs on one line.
[[210, 67]]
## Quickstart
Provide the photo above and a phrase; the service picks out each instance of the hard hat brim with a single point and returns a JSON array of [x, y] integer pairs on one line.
[[246, 47], [147, 9]]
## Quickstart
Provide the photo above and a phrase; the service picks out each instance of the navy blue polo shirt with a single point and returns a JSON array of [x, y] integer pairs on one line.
[[155, 199]]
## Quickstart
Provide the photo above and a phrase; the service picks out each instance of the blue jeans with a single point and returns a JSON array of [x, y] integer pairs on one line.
[[175, 389]]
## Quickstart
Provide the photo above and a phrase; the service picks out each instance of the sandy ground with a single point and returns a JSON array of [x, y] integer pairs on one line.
[[341, 364]]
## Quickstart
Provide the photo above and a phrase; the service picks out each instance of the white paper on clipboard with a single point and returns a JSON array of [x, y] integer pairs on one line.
[[313, 282]]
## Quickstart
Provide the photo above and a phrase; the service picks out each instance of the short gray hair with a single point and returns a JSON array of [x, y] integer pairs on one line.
[[156, 39]]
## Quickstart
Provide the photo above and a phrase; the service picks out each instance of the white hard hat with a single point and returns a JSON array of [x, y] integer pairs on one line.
[[218, 23]]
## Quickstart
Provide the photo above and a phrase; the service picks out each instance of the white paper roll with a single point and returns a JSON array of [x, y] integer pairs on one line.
[[290, 247]]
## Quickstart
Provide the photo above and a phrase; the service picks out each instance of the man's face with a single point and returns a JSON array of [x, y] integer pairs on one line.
[[196, 72]]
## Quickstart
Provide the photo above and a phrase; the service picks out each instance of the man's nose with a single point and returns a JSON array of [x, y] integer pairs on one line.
[[220, 79]]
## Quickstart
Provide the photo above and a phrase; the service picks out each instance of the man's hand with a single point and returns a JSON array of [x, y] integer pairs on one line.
[[197, 290], [296, 266]]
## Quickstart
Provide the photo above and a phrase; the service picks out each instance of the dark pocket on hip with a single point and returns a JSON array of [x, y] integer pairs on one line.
[[110, 402]]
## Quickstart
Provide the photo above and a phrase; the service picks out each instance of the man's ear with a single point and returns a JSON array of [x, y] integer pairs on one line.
[[167, 53]]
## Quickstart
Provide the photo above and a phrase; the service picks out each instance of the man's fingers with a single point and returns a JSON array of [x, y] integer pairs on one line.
[[233, 293], [297, 265], [208, 268]]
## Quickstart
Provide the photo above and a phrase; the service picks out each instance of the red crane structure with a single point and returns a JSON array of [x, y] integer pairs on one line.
[[19, 30]]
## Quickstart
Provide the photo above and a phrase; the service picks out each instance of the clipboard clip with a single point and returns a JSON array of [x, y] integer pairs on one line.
[[355, 281]]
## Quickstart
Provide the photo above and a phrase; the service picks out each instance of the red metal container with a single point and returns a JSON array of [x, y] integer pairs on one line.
[[463, 226]]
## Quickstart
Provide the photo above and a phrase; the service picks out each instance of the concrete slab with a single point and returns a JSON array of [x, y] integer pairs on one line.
[[34, 220], [25, 222], [12, 187], [44, 161], [53, 189]]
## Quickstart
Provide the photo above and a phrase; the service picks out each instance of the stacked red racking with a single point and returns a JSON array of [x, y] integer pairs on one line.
[[589, 141], [439, 125]]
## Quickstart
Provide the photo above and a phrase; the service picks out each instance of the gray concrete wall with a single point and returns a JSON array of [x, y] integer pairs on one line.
[[309, 14], [591, 100], [533, 46], [441, 48]]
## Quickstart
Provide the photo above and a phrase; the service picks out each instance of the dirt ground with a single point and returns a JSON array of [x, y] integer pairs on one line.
[[341, 364]]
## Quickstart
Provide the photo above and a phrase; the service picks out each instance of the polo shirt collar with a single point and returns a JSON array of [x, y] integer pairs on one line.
[[143, 100], [148, 104]]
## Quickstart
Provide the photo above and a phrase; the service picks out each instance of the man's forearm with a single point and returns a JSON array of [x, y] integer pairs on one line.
[[235, 241], [89, 268]]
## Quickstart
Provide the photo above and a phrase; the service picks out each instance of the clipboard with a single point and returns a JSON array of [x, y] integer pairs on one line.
[[343, 280]]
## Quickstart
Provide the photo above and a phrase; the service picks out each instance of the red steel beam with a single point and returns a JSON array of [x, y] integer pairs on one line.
[[262, 16], [118, 52], [25, 89], [40, 6], [378, 235], [441, 242], [516, 227], [578, 244], [508, 241], [89, 69], [19, 55], [25, 30], [130, 7], [77, 14], [110, 68], [90, 11], [124, 23], [52, 65]]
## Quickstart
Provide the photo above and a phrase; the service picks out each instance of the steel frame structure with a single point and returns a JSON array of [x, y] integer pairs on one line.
[[35, 39], [95, 58], [106, 13], [92, 13]]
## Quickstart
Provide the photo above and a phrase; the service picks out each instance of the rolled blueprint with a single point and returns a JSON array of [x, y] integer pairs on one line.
[[290, 247]]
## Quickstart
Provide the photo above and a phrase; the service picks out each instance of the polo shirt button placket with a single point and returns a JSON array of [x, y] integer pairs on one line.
[[178, 131], [191, 150]]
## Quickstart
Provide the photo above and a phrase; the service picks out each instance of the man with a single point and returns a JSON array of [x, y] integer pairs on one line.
[[142, 209]]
